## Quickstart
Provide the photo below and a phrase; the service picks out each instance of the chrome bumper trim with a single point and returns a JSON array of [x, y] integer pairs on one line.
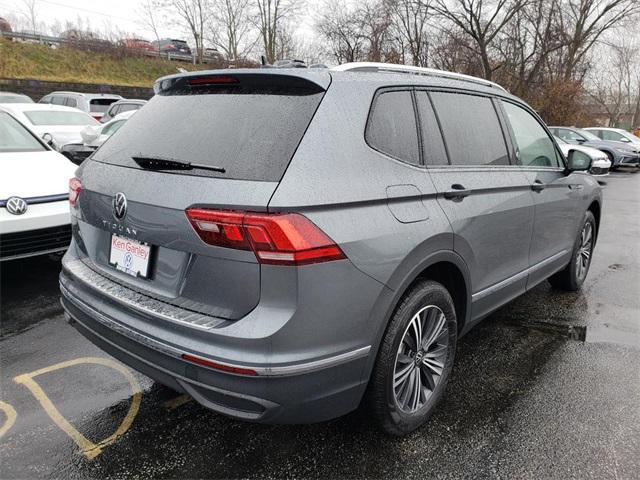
[[137, 301]]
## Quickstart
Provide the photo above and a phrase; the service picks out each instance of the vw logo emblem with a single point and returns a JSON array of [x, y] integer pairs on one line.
[[16, 205], [119, 205]]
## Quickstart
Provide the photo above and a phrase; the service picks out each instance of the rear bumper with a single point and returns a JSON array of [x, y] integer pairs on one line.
[[305, 391]]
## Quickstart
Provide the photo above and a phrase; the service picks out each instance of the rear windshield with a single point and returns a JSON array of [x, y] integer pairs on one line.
[[251, 135], [16, 138], [47, 117], [101, 105], [15, 99]]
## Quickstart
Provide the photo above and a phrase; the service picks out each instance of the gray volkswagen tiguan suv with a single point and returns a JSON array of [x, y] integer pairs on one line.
[[284, 245]]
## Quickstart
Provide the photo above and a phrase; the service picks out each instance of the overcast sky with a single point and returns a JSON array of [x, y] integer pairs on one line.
[[108, 15]]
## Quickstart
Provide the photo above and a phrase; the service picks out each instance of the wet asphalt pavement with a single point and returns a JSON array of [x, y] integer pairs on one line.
[[527, 398]]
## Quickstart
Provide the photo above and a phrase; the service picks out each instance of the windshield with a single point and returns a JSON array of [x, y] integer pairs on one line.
[[101, 105], [588, 135], [15, 99], [252, 136], [14, 137], [51, 117]]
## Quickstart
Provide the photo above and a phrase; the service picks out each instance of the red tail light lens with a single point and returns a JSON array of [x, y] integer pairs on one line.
[[74, 190], [213, 80], [277, 239]]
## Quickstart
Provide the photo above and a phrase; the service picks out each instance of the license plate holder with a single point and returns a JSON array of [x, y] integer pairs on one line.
[[130, 256]]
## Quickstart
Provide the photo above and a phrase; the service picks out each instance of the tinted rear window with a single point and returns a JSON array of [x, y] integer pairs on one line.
[[471, 129], [251, 135], [392, 126], [101, 105]]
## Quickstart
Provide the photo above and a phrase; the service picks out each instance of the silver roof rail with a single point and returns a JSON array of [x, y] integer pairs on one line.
[[394, 68]]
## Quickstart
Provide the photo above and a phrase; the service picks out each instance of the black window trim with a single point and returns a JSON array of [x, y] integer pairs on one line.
[[399, 88], [512, 138]]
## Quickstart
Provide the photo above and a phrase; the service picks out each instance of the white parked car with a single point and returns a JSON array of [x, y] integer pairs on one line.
[[34, 193], [93, 137], [600, 163], [56, 124]]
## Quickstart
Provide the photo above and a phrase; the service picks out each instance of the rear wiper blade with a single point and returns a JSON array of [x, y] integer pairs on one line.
[[157, 163]]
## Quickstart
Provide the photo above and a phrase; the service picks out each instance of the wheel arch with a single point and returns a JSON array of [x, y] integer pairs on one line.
[[596, 210], [445, 267]]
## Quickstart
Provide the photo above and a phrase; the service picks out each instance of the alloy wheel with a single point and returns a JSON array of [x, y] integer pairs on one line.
[[583, 255], [421, 358]]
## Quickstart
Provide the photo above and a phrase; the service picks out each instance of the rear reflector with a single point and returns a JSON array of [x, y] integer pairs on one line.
[[74, 190], [218, 366], [276, 239]]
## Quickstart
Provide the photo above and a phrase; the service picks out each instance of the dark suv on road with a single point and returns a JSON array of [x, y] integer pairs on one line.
[[286, 244]]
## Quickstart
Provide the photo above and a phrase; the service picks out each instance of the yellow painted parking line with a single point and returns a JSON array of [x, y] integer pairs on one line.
[[177, 402], [87, 447], [11, 415]]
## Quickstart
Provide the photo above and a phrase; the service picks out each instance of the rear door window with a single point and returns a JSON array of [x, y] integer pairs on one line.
[[534, 146], [611, 135], [433, 149], [471, 129], [58, 100], [71, 102], [252, 135], [392, 126]]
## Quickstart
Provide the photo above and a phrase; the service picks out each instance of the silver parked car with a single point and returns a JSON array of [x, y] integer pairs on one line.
[[95, 104], [323, 240], [122, 106], [600, 163]]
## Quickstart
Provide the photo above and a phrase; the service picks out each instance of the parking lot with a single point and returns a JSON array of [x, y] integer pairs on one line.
[[547, 387]]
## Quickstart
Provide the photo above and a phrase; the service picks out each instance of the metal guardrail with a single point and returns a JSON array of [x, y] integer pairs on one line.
[[95, 44]]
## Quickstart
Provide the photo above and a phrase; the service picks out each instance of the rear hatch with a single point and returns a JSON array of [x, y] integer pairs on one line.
[[242, 129]]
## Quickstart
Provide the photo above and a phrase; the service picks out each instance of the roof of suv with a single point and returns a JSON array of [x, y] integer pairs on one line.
[[324, 77], [86, 95]]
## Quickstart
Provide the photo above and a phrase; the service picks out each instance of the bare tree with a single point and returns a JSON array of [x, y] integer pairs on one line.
[[271, 14], [341, 26], [615, 87], [150, 16], [482, 21], [375, 18], [195, 14], [410, 19], [585, 21], [31, 13], [231, 29]]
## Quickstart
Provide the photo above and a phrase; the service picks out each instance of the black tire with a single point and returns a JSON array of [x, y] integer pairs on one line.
[[572, 278], [429, 299], [613, 167]]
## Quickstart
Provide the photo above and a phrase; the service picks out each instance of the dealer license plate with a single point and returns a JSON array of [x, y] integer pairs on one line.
[[130, 256]]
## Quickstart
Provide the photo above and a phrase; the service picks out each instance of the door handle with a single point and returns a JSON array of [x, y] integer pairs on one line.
[[575, 186], [457, 192], [538, 186]]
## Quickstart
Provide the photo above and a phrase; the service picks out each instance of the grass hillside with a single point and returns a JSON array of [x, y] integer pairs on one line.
[[25, 60]]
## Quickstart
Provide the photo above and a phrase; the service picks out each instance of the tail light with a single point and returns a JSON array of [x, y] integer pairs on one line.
[[74, 190], [276, 239]]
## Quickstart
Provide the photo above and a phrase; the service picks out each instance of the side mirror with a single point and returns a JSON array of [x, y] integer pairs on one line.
[[89, 134], [48, 139], [625, 140], [581, 140], [578, 161]]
